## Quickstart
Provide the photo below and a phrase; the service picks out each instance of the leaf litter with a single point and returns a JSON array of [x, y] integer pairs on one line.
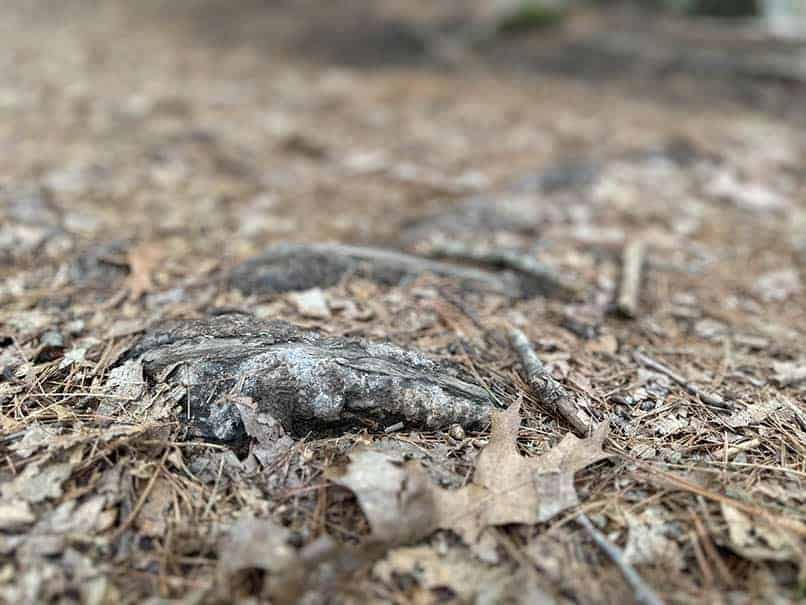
[[401, 504], [155, 210]]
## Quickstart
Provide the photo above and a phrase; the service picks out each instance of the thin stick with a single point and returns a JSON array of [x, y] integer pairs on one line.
[[643, 593], [545, 387], [709, 398], [630, 290]]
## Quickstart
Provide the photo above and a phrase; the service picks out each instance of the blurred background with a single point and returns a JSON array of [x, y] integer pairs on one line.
[[237, 124]]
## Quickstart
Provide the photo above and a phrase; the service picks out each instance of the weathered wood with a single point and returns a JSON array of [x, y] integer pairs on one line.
[[289, 267], [630, 291], [534, 276], [305, 380], [293, 267], [545, 387]]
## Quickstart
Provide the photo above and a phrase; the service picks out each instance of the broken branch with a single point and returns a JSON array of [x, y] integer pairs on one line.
[[630, 290], [545, 387]]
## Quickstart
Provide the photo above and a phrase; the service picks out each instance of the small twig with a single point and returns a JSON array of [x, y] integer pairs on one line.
[[545, 387], [643, 592], [709, 398], [630, 290]]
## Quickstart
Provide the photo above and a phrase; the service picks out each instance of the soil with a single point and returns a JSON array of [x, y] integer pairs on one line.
[[156, 154]]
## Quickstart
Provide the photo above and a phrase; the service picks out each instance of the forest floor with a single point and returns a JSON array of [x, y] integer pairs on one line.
[[148, 150]]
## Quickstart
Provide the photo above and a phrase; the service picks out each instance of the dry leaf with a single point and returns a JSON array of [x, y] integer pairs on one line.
[[36, 436], [750, 196], [778, 285], [311, 303], [37, 484], [319, 567], [395, 496], [471, 580], [756, 540], [15, 513], [648, 544], [508, 488], [607, 343], [142, 261], [753, 414], [271, 439], [788, 373], [255, 544], [153, 517], [77, 355], [401, 503]]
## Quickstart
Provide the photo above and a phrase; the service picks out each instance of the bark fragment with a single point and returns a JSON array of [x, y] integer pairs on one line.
[[303, 379]]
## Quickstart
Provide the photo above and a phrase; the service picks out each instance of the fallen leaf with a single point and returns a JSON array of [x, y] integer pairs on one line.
[[464, 575], [50, 535], [15, 513], [73, 518], [142, 261], [153, 517], [255, 544], [37, 484], [778, 285], [756, 540], [318, 568], [750, 196], [270, 437], [395, 496], [607, 343], [753, 414], [508, 488], [649, 544], [77, 355], [671, 424], [402, 504], [36, 437], [788, 373]]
